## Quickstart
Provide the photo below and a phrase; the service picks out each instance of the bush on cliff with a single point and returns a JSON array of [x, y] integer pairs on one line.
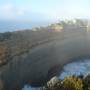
[[72, 83], [69, 83]]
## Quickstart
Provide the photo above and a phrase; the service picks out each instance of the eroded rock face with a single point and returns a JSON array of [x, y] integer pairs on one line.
[[25, 65], [18, 65]]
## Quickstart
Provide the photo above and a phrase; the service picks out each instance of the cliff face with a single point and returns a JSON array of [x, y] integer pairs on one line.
[[29, 56], [15, 60], [16, 43]]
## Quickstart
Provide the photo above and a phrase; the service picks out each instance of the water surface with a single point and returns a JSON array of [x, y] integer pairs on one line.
[[76, 68]]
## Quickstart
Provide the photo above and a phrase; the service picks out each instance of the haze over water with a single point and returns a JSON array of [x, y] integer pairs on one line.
[[27, 14], [6, 26]]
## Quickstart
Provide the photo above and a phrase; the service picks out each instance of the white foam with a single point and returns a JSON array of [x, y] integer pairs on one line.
[[76, 68]]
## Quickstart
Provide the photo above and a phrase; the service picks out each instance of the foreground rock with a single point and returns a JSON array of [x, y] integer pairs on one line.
[[81, 82]]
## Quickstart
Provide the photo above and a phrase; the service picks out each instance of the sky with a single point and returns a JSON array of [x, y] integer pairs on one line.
[[43, 10]]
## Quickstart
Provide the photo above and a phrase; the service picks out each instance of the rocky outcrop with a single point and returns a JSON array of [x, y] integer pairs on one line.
[[81, 82]]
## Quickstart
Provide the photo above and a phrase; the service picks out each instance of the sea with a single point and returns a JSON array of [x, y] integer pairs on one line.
[[10, 26]]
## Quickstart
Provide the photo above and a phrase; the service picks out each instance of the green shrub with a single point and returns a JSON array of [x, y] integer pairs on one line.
[[72, 83]]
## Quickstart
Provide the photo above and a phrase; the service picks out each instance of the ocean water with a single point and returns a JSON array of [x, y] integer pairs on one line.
[[6, 26], [76, 68], [26, 87]]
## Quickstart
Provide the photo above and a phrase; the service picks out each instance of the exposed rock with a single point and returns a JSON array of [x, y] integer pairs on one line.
[[53, 81], [69, 83], [53, 84]]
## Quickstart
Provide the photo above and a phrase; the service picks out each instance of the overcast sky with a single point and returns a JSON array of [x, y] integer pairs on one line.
[[41, 10]]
